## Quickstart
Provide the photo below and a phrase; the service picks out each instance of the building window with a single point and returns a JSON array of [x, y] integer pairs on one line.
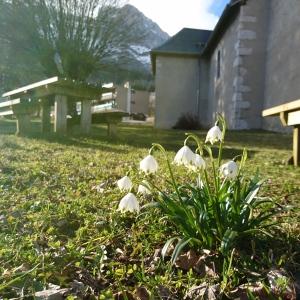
[[219, 64]]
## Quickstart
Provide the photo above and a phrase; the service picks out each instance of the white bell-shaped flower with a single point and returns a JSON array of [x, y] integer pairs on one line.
[[129, 203], [214, 135], [124, 184], [185, 156], [229, 170], [149, 164], [198, 163], [143, 190]]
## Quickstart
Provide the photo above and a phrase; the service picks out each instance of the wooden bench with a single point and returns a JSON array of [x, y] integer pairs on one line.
[[289, 114], [111, 117]]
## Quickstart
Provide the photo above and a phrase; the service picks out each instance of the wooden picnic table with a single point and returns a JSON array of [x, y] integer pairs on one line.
[[289, 114], [23, 101]]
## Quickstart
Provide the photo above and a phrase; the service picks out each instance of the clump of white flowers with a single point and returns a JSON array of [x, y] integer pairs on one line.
[[207, 211], [194, 161]]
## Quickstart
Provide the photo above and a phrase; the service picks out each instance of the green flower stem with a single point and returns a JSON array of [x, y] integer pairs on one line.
[[196, 139], [162, 149], [224, 127], [215, 198]]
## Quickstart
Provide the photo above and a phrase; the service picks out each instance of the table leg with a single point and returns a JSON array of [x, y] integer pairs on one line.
[[296, 145]]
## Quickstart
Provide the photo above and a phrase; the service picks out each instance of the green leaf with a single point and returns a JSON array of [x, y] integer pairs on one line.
[[167, 245], [179, 247]]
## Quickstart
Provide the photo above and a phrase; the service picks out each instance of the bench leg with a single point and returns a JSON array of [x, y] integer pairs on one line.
[[86, 116], [60, 114], [111, 129], [23, 124], [296, 145], [46, 119]]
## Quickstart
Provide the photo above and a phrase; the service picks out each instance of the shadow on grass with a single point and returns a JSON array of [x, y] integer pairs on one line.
[[143, 137]]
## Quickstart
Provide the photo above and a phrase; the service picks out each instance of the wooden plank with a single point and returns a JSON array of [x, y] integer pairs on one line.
[[293, 118], [26, 88], [6, 113], [10, 102], [290, 106]]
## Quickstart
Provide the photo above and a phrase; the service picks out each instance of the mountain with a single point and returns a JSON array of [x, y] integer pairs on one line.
[[151, 34]]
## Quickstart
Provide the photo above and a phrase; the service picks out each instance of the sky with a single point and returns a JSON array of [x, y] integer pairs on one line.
[[173, 15]]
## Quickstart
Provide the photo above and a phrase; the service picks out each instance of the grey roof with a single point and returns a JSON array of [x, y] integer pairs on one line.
[[187, 41], [198, 42]]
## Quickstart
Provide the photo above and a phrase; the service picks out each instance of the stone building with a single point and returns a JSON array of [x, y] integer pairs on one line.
[[249, 62]]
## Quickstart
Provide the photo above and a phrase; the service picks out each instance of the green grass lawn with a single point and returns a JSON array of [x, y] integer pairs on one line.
[[56, 228]]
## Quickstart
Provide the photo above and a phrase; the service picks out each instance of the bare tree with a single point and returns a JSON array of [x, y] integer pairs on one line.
[[73, 38]]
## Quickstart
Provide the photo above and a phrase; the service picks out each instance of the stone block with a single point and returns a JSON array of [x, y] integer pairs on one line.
[[245, 51], [243, 105], [237, 97], [238, 61], [248, 19], [243, 89], [246, 35], [237, 81]]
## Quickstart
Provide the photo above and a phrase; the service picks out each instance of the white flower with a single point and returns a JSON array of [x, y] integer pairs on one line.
[[129, 203], [124, 184], [198, 163], [214, 135], [185, 156], [143, 190], [149, 164], [229, 170]]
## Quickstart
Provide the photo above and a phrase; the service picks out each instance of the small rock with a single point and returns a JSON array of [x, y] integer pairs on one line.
[[77, 286], [203, 292], [52, 294]]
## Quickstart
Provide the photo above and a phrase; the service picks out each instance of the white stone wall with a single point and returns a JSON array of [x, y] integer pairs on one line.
[[176, 87], [282, 80]]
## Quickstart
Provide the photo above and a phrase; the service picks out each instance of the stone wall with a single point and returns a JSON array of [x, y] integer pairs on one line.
[[282, 80], [177, 89], [249, 64], [221, 90], [239, 92]]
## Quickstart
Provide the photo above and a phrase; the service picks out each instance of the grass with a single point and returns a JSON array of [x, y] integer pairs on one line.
[[56, 228]]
